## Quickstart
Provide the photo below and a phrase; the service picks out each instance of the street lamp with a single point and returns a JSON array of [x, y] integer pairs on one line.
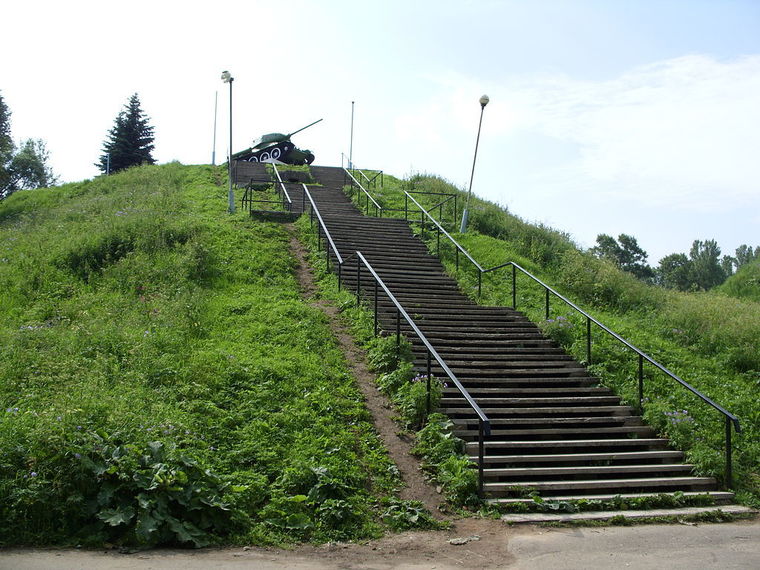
[[465, 214], [351, 146], [227, 78]]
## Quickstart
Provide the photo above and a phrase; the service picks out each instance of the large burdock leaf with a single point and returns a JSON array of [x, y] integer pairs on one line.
[[115, 517]]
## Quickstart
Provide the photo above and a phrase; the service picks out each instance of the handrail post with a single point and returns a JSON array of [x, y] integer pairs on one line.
[[406, 207], [729, 467], [427, 400], [514, 287], [358, 282], [398, 333], [480, 282], [456, 254], [641, 382], [375, 307], [588, 341], [547, 303], [481, 457]]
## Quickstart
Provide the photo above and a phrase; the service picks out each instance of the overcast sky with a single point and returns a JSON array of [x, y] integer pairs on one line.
[[638, 117]]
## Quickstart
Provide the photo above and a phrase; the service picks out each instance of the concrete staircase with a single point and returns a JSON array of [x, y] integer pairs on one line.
[[555, 431]]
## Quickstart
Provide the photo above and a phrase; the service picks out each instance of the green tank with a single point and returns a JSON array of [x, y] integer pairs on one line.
[[277, 146]]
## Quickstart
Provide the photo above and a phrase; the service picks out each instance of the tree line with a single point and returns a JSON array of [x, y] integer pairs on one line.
[[26, 165], [702, 269]]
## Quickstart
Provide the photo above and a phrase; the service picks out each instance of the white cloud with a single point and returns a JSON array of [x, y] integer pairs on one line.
[[679, 132]]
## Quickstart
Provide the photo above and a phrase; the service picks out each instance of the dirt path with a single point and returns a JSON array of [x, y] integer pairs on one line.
[[397, 443]]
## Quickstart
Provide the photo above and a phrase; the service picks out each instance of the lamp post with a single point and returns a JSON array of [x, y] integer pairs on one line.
[[465, 214], [227, 78], [351, 146], [213, 150]]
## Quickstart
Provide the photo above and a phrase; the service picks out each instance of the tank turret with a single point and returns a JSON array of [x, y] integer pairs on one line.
[[277, 147]]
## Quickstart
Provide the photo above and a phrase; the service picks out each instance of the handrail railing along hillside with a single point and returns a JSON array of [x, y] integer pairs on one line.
[[287, 202], [484, 424], [378, 207], [314, 212], [730, 419]]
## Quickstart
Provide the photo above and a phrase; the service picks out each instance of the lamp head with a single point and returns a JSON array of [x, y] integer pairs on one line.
[[484, 100], [226, 77]]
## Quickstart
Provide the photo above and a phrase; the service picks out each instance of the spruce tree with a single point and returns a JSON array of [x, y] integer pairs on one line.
[[130, 141]]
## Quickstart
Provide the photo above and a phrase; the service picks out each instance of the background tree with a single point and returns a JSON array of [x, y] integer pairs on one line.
[[23, 168], [624, 252], [706, 271], [674, 272], [745, 254], [6, 144], [130, 141], [703, 269]]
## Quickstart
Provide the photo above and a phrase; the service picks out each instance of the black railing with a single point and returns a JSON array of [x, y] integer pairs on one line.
[[322, 229], [484, 424], [448, 198], [283, 198], [368, 197], [282, 191], [372, 181], [730, 419]]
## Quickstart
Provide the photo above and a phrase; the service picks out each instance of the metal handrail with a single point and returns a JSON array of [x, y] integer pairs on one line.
[[484, 424], [459, 248], [439, 205], [373, 180], [730, 419], [378, 207], [315, 212], [289, 205]]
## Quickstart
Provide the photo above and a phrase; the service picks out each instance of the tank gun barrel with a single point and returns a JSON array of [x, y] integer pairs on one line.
[[304, 128]]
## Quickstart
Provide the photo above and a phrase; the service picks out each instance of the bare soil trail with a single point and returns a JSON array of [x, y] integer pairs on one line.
[[396, 442]]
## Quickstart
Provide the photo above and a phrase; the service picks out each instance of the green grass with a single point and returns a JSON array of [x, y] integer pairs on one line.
[[709, 339], [162, 381], [744, 284]]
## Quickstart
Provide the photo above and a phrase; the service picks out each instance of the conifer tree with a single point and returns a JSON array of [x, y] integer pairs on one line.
[[130, 141]]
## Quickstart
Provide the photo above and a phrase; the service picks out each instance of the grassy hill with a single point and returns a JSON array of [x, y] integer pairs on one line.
[[709, 339], [744, 284], [161, 379]]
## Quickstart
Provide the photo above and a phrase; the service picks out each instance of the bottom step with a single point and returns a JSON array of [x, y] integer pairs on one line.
[[735, 510], [720, 497]]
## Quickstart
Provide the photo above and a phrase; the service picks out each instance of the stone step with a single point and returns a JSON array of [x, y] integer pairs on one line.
[[675, 514], [537, 473], [720, 497], [582, 458], [536, 413], [690, 483], [528, 447], [553, 428], [582, 402], [554, 433]]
